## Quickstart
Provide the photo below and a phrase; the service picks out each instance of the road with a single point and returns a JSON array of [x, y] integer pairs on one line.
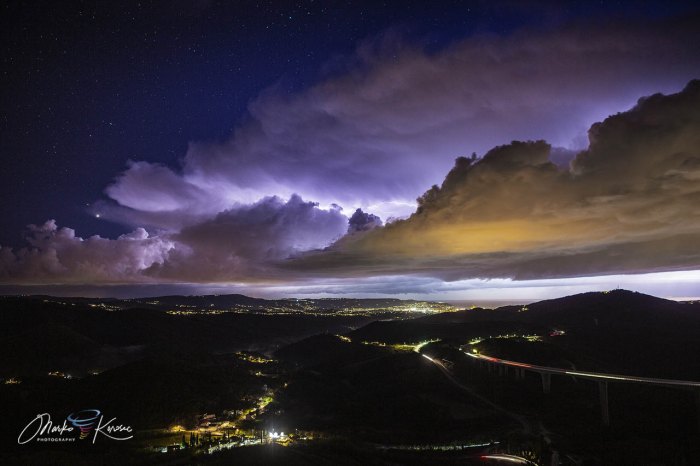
[[586, 375]]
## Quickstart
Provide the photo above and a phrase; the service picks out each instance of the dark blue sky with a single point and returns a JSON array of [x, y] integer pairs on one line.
[[86, 86]]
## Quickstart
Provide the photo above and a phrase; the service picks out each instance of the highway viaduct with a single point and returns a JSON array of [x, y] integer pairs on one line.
[[502, 366]]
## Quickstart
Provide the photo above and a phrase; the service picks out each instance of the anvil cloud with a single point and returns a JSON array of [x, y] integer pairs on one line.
[[383, 131]]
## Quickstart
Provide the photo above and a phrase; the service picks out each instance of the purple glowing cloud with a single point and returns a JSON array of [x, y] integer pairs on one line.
[[381, 134]]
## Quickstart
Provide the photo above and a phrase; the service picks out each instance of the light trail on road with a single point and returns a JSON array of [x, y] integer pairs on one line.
[[586, 375]]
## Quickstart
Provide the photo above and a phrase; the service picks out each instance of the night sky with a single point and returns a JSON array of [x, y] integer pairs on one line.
[[227, 146]]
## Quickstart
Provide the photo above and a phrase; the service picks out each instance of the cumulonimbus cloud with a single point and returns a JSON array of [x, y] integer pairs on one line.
[[238, 245], [628, 204], [57, 255], [242, 243]]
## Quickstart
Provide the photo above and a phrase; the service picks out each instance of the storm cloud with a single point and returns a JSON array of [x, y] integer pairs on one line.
[[239, 244], [363, 221], [388, 125], [266, 206], [57, 255], [628, 204]]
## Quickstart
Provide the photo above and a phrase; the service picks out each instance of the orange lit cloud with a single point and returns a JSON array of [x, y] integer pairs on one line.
[[628, 204]]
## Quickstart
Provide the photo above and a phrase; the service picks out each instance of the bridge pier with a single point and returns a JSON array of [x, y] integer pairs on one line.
[[604, 407], [519, 369], [546, 382]]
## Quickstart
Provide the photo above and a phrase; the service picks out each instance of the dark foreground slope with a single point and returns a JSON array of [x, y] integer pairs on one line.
[[365, 396], [380, 395]]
